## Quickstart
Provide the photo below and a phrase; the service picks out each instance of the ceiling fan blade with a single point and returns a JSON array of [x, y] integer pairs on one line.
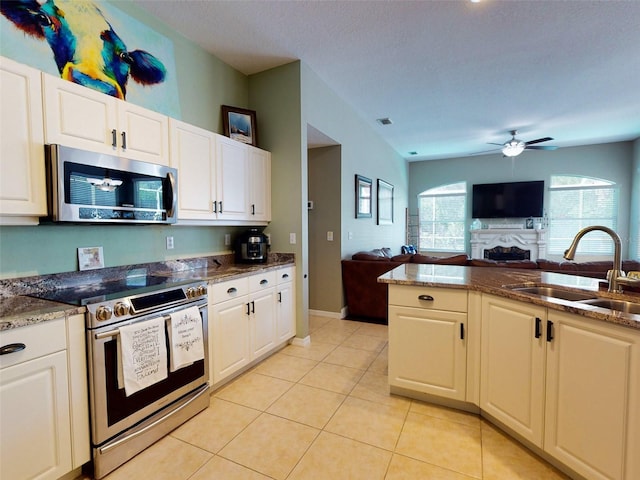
[[491, 143], [539, 140], [540, 147], [487, 151]]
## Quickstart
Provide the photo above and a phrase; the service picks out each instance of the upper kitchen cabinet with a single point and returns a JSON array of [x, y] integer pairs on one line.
[[193, 152], [233, 179], [259, 184], [83, 118], [22, 183]]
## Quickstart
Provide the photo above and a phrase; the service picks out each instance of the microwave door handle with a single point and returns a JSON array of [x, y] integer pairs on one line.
[[174, 195]]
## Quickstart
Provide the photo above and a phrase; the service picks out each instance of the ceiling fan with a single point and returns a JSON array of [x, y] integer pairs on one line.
[[515, 147]]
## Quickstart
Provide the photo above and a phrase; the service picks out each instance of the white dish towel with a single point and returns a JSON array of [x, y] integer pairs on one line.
[[142, 349], [186, 341]]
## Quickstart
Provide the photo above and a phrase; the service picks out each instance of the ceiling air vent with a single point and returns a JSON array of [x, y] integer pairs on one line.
[[384, 121]]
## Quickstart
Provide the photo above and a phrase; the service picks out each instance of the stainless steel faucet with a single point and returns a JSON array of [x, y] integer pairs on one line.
[[615, 276]]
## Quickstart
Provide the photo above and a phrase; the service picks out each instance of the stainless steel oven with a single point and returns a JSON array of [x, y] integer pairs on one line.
[[123, 425]]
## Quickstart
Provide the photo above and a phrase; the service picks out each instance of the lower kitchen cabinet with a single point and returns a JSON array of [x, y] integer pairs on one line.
[[592, 414], [427, 345], [245, 322], [512, 365], [285, 305], [43, 402]]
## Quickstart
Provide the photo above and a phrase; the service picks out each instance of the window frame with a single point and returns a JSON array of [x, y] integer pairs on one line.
[[462, 191]]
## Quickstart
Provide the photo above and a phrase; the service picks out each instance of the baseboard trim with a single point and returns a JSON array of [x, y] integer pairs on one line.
[[323, 313], [301, 342]]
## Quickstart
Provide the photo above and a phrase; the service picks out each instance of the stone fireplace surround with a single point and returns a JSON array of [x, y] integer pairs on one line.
[[534, 241]]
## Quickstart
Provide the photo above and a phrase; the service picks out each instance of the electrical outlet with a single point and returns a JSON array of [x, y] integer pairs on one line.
[[169, 243], [227, 239], [292, 238], [330, 236]]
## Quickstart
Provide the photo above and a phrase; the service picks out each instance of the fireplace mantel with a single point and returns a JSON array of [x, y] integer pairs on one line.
[[527, 239]]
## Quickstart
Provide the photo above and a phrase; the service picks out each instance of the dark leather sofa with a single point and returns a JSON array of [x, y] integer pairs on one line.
[[368, 299]]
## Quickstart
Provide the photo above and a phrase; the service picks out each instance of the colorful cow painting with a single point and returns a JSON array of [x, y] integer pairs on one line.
[[85, 47]]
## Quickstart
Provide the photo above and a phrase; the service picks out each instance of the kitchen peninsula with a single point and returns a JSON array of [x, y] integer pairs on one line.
[[559, 374]]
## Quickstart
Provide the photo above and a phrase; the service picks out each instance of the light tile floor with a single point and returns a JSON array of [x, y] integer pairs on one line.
[[324, 412]]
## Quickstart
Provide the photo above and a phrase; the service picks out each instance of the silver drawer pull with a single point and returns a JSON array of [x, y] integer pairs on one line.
[[427, 298], [286, 275], [12, 348], [232, 290], [264, 282]]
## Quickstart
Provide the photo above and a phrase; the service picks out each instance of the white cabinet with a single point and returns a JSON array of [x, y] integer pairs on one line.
[[34, 403], [592, 419], [244, 322], [43, 400], [22, 182], [427, 345], [259, 184], [193, 151], [512, 365], [285, 304], [220, 180], [228, 328], [80, 117], [262, 300]]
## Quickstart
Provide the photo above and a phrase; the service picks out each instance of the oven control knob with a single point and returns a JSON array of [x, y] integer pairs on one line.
[[103, 313], [202, 290], [121, 309], [191, 292]]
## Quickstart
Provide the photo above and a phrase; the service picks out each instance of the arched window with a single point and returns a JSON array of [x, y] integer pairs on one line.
[[577, 202], [442, 217]]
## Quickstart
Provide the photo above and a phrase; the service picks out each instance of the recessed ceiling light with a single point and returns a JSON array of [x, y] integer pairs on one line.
[[384, 121]]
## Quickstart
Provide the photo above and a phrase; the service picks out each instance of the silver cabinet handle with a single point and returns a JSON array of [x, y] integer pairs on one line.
[[124, 140], [232, 290]]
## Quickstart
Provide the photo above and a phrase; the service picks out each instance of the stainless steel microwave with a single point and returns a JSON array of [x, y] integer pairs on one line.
[[96, 188]]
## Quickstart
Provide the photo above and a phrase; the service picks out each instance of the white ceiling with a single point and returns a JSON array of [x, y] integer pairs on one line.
[[451, 75]]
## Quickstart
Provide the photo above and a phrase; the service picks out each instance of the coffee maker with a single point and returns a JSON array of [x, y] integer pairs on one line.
[[252, 246]]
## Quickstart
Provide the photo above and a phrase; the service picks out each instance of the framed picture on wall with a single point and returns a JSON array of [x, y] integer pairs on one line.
[[363, 197], [385, 203], [240, 124]]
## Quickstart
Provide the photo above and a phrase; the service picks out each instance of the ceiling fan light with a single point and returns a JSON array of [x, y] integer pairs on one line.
[[513, 148]]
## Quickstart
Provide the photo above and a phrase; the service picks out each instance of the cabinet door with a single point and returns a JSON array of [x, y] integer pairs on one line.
[[146, 133], [34, 411], [512, 365], [263, 322], [78, 390], [260, 184], [285, 318], [232, 179], [79, 117], [22, 182], [193, 154], [592, 412], [229, 337], [426, 351]]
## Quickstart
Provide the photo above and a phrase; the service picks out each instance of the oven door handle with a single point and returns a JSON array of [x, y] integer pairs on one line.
[[204, 389], [116, 332]]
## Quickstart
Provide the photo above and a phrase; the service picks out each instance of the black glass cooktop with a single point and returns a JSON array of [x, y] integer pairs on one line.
[[100, 292]]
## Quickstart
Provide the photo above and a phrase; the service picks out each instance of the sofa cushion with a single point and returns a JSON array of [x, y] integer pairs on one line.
[[371, 256], [481, 262], [518, 264], [404, 258], [453, 260]]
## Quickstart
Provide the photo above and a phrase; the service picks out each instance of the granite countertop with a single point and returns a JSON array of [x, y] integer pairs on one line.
[[500, 281], [18, 309]]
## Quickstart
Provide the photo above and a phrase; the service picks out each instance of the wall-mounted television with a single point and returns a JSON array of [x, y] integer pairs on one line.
[[508, 200]]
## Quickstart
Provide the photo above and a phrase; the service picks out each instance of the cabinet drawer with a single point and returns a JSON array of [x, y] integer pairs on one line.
[[434, 298], [223, 291], [262, 281], [39, 340], [284, 275]]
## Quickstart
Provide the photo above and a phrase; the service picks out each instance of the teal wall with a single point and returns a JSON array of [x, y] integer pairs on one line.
[[205, 84], [611, 161]]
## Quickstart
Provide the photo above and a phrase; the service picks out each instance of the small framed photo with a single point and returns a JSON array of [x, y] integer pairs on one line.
[[529, 223], [90, 258], [240, 124], [385, 203], [363, 197]]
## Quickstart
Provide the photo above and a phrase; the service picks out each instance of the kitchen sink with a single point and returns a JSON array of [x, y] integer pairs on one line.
[[617, 305], [555, 292]]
